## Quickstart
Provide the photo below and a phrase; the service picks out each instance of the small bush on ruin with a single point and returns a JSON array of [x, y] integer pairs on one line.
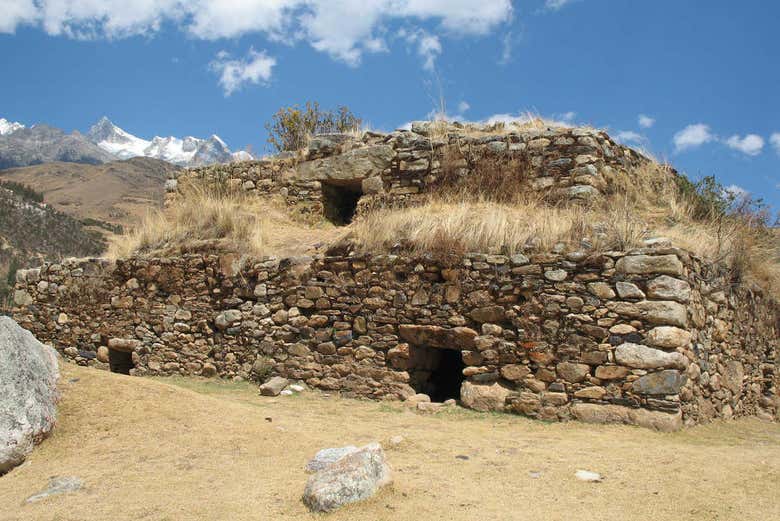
[[291, 128]]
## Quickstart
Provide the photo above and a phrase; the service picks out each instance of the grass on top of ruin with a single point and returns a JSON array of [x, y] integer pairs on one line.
[[484, 213]]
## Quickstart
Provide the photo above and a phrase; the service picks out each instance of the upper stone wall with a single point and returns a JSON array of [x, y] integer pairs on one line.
[[400, 167]]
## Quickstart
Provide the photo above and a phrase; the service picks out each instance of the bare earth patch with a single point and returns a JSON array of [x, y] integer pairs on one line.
[[193, 449]]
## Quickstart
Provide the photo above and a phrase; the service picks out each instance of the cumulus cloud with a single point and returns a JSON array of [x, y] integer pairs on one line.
[[254, 68], [692, 136], [463, 106], [17, 12], [646, 121], [751, 144], [774, 140], [344, 29]]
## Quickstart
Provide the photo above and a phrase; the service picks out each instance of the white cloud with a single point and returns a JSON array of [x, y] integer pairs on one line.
[[568, 117], [774, 140], [344, 29], [463, 106], [692, 136], [751, 144], [429, 48], [254, 68], [555, 5], [507, 44], [16, 12], [736, 191], [646, 121], [629, 136]]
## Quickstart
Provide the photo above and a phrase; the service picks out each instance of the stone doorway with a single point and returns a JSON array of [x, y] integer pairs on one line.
[[339, 201], [436, 372], [120, 361]]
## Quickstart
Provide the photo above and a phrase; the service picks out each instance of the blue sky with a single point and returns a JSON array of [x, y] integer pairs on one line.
[[705, 73]]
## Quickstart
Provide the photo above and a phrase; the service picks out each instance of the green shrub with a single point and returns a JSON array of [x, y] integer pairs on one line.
[[291, 127], [23, 191]]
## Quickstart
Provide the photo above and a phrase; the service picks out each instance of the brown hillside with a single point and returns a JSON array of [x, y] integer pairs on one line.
[[119, 192]]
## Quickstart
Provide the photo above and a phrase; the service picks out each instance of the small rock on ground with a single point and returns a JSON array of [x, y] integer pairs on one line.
[[274, 386], [63, 485], [586, 475]]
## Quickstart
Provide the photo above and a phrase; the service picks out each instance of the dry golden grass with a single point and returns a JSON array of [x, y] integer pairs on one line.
[[151, 450], [228, 219], [641, 205]]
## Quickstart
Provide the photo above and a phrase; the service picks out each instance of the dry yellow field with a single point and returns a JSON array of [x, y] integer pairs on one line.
[[190, 449]]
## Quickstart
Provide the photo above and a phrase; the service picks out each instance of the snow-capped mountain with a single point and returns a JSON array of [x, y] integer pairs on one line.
[[189, 151], [9, 127]]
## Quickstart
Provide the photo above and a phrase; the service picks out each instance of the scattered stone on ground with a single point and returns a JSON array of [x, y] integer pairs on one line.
[[395, 441], [535, 474], [587, 475], [274, 386], [28, 393], [63, 485], [416, 399], [354, 477]]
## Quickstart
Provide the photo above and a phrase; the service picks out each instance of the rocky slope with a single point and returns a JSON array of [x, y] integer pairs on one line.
[[45, 144], [31, 232]]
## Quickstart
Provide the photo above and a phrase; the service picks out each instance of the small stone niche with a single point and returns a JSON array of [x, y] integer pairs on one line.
[[340, 200], [120, 361], [436, 372]]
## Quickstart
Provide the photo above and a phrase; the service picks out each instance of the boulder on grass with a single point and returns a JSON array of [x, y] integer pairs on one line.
[[354, 477], [28, 393]]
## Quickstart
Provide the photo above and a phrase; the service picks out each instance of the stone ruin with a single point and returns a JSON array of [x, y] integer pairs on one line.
[[653, 336]]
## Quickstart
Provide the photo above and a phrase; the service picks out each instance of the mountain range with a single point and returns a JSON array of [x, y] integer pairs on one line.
[[22, 146]]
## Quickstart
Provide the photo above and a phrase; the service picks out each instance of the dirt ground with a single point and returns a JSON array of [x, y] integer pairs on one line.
[[177, 449]]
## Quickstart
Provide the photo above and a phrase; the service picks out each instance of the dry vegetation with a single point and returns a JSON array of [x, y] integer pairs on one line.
[[208, 217], [217, 450], [484, 213]]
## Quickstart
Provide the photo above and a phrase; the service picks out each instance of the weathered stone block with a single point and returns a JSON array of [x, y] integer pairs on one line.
[[669, 381], [643, 357], [649, 264]]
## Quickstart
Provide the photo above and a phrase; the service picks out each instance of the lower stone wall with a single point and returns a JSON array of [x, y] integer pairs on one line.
[[651, 337]]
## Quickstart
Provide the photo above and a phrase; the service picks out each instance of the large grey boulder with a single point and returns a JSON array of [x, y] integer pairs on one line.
[[354, 477], [28, 393]]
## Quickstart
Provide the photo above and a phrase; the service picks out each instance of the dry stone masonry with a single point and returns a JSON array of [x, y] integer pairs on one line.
[[653, 337]]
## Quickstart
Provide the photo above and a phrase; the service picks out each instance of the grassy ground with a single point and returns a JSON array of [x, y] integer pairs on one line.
[[181, 449]]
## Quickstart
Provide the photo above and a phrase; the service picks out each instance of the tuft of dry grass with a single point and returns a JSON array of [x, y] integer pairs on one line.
[[451, 226], [213, 216]]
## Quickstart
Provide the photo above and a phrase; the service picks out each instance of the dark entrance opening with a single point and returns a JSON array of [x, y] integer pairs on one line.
[[120, 361], [436, 372], [339, 201]]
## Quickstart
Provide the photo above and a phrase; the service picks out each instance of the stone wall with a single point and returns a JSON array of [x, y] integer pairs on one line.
[[652, 337], [399, 168]]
